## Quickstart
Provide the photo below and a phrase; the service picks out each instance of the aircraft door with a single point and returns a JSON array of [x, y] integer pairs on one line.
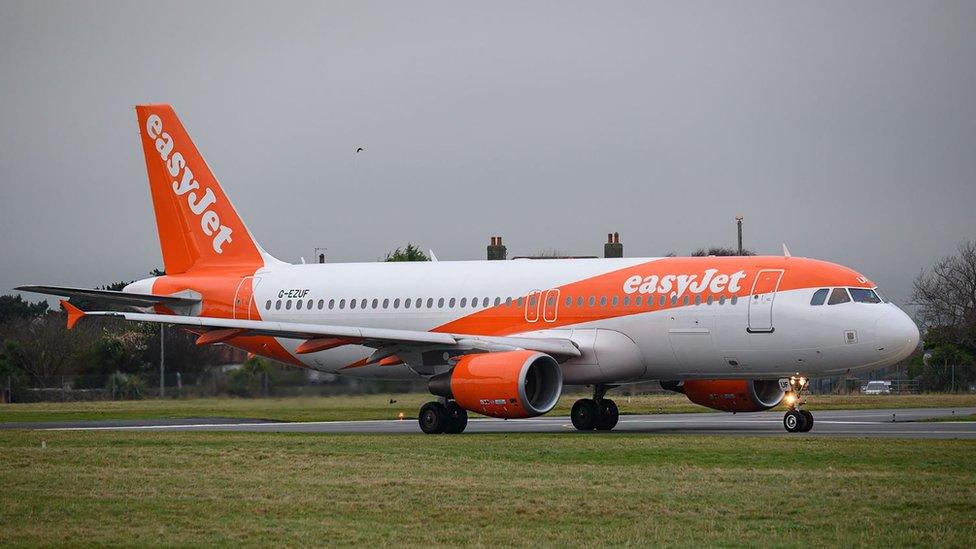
[[245, 297], [761, 300]]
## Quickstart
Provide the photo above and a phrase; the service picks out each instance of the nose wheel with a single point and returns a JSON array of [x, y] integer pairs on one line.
[[597, 413], [797, 420]]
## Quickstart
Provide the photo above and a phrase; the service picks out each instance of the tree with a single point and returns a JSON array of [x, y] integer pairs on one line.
[[945, 300], [410, 253], [719, 251], [943, 368], [15, 307]]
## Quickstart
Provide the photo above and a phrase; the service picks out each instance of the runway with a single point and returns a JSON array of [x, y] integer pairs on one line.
[[893, 423]]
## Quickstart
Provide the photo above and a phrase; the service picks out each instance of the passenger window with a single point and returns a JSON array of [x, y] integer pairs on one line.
[[498, 301], [638, 300], [721, 299], [863, 295], [627, 301], [684, 301], [342, 303], [569, 301], [698, 299], [579, 301], [592, 301], [710, 300], [406, 303], [615, 301], [288, 305], [267, 306], [440, 303], [376, 303], [309, 305], [603, 301], [474, 301], [551, 301], [464, 302], [819, 296], [735, 299], [298, 305], [520, 302], [838, 295], [278, 305], [331, 304], [452, 302], [484, 302], [663, 300], [321, 304], [386, 303]]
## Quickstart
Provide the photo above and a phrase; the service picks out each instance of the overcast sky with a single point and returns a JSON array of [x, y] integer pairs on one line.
[[845, 129]]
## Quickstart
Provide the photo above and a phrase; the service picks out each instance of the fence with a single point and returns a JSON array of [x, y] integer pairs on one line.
[[213, 383]]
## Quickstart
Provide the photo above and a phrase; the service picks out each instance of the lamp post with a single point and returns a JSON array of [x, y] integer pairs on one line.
[[738, 221], [162, 360]]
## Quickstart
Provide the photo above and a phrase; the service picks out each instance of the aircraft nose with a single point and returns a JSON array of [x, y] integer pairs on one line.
[[897, 334]]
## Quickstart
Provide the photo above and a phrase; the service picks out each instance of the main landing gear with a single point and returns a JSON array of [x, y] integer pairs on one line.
[[437, 417], [797, 420], [595, 413]]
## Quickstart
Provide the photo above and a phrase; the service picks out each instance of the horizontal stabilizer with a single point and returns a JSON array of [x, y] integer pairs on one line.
[[112, 296]]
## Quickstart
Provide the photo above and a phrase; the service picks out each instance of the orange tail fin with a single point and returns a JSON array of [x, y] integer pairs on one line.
[[197, 224]]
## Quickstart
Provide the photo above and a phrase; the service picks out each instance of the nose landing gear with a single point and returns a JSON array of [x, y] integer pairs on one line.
[[796, 420], [595, 413]]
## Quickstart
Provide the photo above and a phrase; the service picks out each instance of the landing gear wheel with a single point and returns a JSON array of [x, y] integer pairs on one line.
[[794, 421], [433, 418], [809, 420], [609, 414], [457, 418], [584, 414]]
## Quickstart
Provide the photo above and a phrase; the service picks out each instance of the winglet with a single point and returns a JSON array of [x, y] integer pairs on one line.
[[786, 251], [74, 313]]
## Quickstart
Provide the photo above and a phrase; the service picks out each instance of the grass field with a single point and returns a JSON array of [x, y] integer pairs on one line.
[[379, 406], [227, 489]]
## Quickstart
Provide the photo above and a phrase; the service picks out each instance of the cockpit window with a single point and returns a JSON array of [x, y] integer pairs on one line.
[[881, 296], [838, 295], [819, 296], [863, 295]]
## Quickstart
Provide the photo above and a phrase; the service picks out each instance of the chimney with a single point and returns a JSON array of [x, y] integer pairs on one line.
[[613, 247], [496, 250]]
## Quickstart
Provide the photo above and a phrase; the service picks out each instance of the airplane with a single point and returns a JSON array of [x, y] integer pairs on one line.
[[503, 338]]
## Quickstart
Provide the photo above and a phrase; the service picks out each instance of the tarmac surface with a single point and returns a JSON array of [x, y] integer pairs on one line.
[[893, 423]]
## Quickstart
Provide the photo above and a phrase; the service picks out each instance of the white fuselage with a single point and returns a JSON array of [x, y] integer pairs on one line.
[[620, 340]]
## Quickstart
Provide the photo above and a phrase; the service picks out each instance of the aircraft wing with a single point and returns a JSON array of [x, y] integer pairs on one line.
[[112, 296], [322, 336]]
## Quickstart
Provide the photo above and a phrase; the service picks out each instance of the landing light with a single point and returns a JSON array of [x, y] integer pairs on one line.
[[790, 399]]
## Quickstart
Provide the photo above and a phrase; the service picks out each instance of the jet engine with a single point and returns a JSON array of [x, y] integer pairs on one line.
[[509, 384], [730, 395]]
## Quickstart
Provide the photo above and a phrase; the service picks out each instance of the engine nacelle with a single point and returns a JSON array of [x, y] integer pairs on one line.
[[730, 395], [510, 384]]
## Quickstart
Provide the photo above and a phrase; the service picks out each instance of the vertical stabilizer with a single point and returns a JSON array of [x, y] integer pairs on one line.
[[198, 227]]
